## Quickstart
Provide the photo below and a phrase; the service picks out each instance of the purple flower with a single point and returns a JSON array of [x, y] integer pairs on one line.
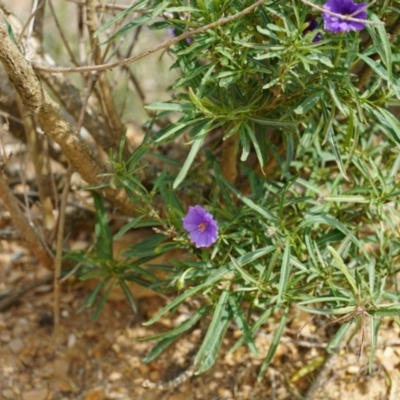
[[312, 24], [202, 227], [347, 8]]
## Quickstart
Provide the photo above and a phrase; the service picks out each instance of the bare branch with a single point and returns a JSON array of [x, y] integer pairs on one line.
[[168, 43]]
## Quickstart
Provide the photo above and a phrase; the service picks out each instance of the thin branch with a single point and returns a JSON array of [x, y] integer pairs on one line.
[[114, 7], [105, 97], [166, 44], [38, 26], [29, 25], [59, 250], [32, 22], [63, 37], [172, 384]]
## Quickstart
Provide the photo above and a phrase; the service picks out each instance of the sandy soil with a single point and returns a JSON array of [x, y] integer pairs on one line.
[[101, 359]]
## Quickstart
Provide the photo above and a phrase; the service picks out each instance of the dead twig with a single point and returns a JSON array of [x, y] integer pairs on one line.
[[172, 384], [59, 251]]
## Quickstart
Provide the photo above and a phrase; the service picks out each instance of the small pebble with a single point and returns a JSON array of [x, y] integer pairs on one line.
[[353, 369], [115, 376], [71, 341]]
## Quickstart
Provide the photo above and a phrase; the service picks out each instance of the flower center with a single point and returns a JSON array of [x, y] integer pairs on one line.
[[202, 226]]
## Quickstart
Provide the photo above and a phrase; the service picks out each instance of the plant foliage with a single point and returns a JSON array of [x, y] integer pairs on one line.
[[312, 220]]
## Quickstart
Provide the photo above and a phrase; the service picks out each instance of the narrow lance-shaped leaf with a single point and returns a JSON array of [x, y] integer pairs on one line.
[[181, 328], [339, 336], [197, 143], [274, 345], [336, 152], [344, 269], [242, 324], [375, 323], [222, 316], [284, 275], [254, 328]]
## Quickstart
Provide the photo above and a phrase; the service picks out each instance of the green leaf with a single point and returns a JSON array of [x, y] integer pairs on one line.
[[214, 277], [336, 152], [255, 144], [171, 201], [322, 59], [243, 274], [284, 274], [338, 102], [103, 300], [92, 296], [390, 120], [326, 219], [244, 139], [173, 333], [374, 329], [159, 348], [220, 322], [337, 339], [10, 31], [386, 311], [274, 344], [175, 107], [376, 66], [382, 44], [139, 222], [259, 210], [272, 122], [255, 327], [344, 269], [146, 248], [197, 143], [242, 324], [128, 295], [309, 103], [327, 311], [346, 198]]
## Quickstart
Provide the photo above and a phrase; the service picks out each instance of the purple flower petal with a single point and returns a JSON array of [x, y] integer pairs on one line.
[[347, 8], [202, 227], [313, 24]]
